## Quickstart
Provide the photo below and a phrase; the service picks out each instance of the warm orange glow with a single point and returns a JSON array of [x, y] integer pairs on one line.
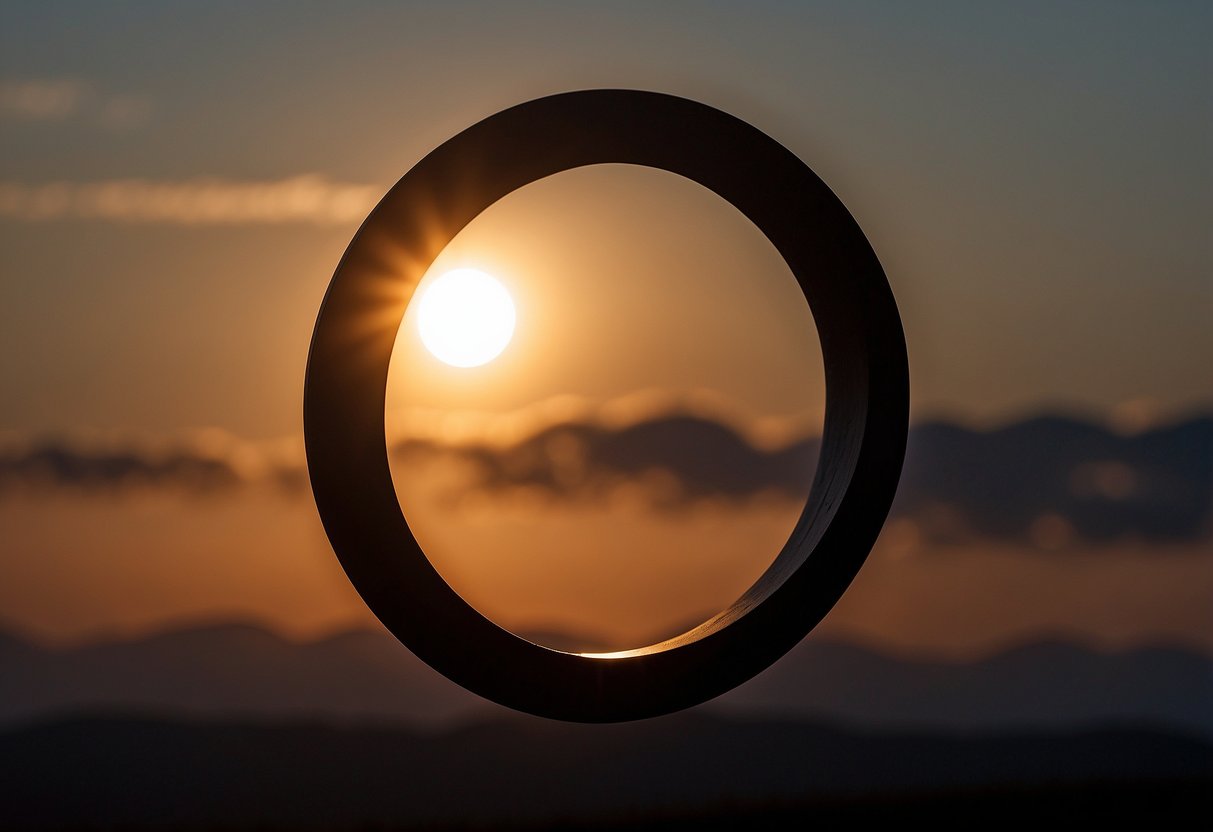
[[624, 317]]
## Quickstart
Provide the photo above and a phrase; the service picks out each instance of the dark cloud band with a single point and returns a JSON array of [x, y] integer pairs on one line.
[[1038, 480]]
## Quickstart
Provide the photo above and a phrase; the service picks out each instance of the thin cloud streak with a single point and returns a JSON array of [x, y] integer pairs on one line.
[[40, 100], [57, 100], [209, 462], [308, 198]]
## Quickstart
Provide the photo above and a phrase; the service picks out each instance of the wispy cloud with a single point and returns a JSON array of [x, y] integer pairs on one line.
[[61, 99], [1050, 481], [207, 462], [39, 100], [308, 198], [1075, 482]]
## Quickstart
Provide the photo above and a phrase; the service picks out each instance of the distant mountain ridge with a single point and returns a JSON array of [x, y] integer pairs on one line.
[[244, 671]]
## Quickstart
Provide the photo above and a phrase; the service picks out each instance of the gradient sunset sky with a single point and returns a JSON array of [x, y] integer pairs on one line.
[[178, 181]]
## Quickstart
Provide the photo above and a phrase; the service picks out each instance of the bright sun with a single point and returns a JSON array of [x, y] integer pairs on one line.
[[466, 318]]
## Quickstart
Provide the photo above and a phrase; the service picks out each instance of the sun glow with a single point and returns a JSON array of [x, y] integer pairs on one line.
[[466, 318]]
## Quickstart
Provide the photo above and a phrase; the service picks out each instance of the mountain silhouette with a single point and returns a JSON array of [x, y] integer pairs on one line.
[[241, 670], [231, 668]]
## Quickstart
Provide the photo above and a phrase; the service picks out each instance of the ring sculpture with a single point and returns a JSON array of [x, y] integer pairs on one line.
[[863, 440]]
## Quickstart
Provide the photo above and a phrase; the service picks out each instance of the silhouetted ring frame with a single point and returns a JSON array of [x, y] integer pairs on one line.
[[864, 434]]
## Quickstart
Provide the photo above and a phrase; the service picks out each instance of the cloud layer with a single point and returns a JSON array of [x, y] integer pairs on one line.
[[1047, 481], [208, 464], [43, 100], [308, 198], [39, 100], [680, 458]]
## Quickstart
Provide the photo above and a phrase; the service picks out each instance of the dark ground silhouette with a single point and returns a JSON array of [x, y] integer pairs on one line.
[[147, 773]]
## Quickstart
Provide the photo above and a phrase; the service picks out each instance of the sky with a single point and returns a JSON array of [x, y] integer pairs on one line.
[[1035, 179], [627, 281], [178, 182]]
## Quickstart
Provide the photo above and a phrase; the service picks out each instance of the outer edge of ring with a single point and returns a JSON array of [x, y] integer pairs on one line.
[[863, 442]]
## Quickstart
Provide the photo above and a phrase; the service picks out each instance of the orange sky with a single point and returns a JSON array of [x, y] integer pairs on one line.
[[625, 279], [130, 564], [175, 192]]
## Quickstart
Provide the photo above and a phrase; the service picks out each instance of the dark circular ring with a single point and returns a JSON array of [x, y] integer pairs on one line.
[[863, 441]]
